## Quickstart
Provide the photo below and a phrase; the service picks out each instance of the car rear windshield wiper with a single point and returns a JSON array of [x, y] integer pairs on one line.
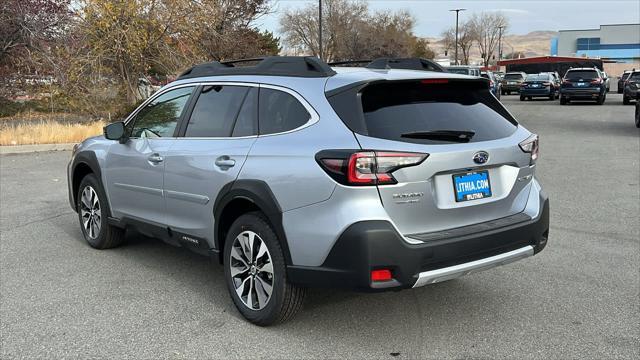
[[443, 135]]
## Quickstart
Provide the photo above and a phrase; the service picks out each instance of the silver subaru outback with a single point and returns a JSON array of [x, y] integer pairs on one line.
[[294, 174]]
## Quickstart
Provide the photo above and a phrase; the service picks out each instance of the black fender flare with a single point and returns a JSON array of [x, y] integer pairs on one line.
[[259, 193], [89, 159]]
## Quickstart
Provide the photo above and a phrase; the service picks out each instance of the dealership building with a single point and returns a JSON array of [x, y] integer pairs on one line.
[[617, 42]]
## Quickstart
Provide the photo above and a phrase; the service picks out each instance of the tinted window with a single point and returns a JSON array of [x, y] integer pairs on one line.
[[582, 74], [513, 77], [247, 121], [215, 111], [635, 76], [280, 112], [160, 117], [625, 76], [393, 109], [539, 77]]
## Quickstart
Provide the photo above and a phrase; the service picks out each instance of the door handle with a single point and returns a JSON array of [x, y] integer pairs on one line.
[[155, 158], [225, 162]]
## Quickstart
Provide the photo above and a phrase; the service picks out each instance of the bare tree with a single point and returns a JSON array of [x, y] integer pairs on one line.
[[351, 32], [467, 36], [486, 27]]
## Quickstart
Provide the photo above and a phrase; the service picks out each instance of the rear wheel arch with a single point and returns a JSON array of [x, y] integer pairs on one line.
[[244, 196]]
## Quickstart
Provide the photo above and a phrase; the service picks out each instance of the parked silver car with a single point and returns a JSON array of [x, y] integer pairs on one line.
[[294, 174]]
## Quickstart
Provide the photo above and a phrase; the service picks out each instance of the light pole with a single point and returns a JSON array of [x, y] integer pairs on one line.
[[320, 28], [457, 12]]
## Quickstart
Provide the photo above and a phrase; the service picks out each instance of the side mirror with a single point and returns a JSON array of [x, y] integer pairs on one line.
[[115, 131]]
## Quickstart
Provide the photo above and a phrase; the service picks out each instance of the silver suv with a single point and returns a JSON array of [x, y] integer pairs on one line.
[[294, 174]]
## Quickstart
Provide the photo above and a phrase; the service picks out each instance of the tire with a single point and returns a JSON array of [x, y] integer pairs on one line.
[[521, 97], [508, 92], [563, 100], [552, 96], [637, 115], [625, 100], [285, 299], [501, 92], [93, 214], [530, 98], [600, 100]]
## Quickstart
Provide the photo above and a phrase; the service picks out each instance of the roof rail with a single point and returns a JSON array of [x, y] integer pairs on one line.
[[349, 62], [406, 63], [296, 66], [395, 63]]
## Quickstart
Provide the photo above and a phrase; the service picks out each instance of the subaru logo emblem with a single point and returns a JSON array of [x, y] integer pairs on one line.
[[481, 157]]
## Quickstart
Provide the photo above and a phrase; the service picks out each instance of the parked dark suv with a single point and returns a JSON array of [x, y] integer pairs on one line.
[[512, 82], [583, 84], [631, 86], [622, 79]]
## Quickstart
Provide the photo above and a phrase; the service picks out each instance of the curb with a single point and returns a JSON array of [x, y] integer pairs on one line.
[[22, 149]]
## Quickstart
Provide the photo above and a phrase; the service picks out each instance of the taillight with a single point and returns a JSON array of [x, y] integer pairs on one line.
[[566, 81], [531, 146], [524, 84], [546, 83], [596, 81], [353, 167]]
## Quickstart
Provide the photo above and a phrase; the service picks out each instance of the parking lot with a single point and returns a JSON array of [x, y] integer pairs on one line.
[[577, 298]]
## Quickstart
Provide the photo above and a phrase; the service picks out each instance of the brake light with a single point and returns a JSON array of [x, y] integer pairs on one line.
[[596, 81], [491, 83], [546, 83], [566, 81], [524, 85], [531, 146], [366, 167]]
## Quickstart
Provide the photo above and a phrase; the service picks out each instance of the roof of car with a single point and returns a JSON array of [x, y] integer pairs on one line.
[[583, 68]]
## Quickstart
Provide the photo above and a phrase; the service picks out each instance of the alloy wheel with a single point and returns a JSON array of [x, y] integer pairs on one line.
[[91, 212], [251, 270]]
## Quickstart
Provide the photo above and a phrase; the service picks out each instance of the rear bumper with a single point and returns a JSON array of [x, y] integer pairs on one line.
[[536, 92], [589, 93], [629, 92], [515, 87], [370, 245]]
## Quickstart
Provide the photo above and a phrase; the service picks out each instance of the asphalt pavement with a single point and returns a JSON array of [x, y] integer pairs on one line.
[[579, 298]]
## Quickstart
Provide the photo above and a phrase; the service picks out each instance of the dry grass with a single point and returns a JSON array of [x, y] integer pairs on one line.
[[48, 132]]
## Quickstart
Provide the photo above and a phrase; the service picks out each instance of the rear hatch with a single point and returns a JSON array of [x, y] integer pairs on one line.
[[537, 82], [581, 79], [475, 170]]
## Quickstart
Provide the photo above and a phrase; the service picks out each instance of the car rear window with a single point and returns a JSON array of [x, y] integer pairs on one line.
[[635, 76], [538, 77], [391, 109], [513, 76], [458, 71], [582, 74]]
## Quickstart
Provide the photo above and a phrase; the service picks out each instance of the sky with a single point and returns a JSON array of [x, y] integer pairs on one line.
[[432, 16]]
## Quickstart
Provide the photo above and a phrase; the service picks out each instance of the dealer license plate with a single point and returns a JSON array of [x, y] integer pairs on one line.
[[473, 185]]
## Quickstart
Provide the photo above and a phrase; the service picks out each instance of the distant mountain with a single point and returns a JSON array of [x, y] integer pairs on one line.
[[535, 43]]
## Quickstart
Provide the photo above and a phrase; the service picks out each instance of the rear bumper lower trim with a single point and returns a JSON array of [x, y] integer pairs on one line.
[[456, 271]]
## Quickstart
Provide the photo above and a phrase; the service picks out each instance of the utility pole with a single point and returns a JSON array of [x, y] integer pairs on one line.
[[457, 12], [500, 28], [320, 28]]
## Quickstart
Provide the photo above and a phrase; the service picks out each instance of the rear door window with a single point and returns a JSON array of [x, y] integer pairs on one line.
[[400, 110], [215, 111], [280, 112]]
